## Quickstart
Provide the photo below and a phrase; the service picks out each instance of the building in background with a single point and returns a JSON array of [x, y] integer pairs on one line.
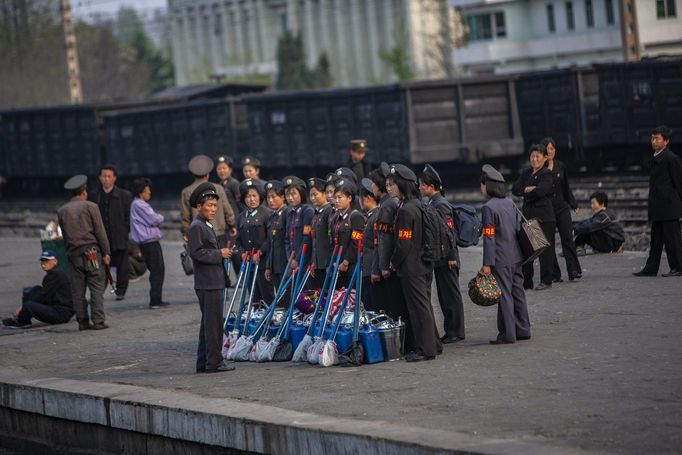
[[507, 36], [237, 39]]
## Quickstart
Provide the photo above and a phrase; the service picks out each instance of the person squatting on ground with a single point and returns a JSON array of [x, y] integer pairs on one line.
[[145, 229], [502, 258], [210, 278], [602, 231], [87, 247], [50, 302]]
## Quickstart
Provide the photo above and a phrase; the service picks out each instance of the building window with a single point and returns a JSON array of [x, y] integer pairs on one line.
[[550, 18], [609, 12], [665, 9], [500, 26], [589, 13], [570, 19], [480, 27]]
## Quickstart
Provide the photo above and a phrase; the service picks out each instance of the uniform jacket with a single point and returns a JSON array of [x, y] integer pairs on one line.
[[231, 187], [370, 242], [347, 231], [276, 256], [562, 199], [252, 230], [320, 237], [299, 221], [388, 209], [536, 203], [445, 210], [406, 257], [602, 221], [361, 169], [145, 223], [500, 227], [116, 217], [209, 273], [55, 291], [82, 227], [665, 186], [224, 218]]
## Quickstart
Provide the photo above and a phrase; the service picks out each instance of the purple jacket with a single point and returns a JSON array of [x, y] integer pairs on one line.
[[144, 222]]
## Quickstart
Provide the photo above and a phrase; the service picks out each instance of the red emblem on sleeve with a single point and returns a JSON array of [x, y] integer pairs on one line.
[[451, 224], [357, 235], [489, 231], [405, 234]]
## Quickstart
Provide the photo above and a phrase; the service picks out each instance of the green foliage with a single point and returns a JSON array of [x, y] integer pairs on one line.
[[293, 73], [397, 58], [322, 74]]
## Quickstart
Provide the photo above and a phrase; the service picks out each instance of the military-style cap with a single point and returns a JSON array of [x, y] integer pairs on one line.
[[317, 183], [384, 169], [404, 172], [432, 174], [48, 255], [346, 173], [274, 185], [292, 180], [491, 173], [256, 184], [331, 177], [224, 159], [200, 165], [347, 185], [249, 160], [358, 144], [76, 182], [366, 184], [202, 192]]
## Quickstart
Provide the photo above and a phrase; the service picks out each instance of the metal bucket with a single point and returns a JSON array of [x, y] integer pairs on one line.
[[392, 342]]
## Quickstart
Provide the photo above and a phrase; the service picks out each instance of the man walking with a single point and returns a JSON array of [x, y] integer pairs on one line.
[[665, 205], [88, 250]]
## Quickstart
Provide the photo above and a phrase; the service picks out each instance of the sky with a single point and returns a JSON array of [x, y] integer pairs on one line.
[[85, 9]]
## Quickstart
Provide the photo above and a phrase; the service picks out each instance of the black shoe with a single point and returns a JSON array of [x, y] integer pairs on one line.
[[84, 326], [528, 287], [14, 324], [449, 340], [643, 273], [523, 338], [543, 286], [673, 272], [120, 297], [221, 369], [100, 326], [158, 305], [501, 342], [574, 276], [418, 356], [559, 280]]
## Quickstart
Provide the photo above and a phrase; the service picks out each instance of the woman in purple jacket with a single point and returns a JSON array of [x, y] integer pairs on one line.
[[145, 226]]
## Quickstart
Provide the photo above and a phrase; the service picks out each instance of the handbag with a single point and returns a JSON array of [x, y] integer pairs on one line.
[[186, 261], [484, 290], [531, 238]]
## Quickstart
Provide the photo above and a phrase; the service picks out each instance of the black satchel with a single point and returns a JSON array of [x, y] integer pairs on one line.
[[531, 238], [186, 261]]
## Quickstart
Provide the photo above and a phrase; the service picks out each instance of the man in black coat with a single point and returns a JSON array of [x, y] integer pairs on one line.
[[665, 205], [114, 205], [358, 150]]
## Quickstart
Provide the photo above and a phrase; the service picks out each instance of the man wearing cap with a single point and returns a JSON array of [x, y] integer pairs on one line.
[[210, 278], [87, 247], [358, 149], [225, 222], [446, 271], [50, 303], [114, 206]]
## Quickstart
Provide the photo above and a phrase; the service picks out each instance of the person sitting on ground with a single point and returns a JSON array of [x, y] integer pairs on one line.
[[50, 303], [602, 232]]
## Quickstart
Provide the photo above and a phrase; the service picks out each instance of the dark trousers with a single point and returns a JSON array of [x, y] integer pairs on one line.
[[40, 311], [153, 257], [83, 275], [664, 233], [120, 260], [316, 282], [546, 259], [450, 299], [417, 291], [209, 351], [391, 299], [564, 225], [512, 312], [368, 295], [599, 241], [264, 288], [286, 298]]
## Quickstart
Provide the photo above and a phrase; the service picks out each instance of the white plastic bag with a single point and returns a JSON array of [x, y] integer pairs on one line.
[[301, 352], [242, 348], [314, 351], [228, 345], [269, 350], [330, 354]]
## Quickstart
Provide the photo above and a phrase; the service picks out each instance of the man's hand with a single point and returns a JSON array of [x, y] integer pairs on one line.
[[528, 189], [106, 259], [385, 274], [375, 278], [268, 275], [453, 265], [226, 253], [485, 270], [185, 238]]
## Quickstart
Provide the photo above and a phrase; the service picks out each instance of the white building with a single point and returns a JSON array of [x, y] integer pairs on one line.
[[237, 38], [523, 35]]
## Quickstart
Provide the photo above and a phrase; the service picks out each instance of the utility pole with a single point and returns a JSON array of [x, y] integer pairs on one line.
[[629, 30], [71, 53]]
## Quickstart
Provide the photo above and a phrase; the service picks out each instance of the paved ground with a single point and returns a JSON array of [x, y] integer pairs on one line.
[[602, 371]]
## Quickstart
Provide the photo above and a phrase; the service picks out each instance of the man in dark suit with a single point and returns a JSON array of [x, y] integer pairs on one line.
[[114, 205], [357, 163], [665, 205], [210, 278]]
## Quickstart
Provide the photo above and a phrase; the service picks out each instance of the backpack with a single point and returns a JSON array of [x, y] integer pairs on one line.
[[437, 239], [467, 225]]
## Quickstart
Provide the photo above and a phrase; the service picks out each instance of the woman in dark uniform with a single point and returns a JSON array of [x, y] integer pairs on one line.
[[347, 230], [252, 233], [415, 275], [320, 236], [276, 257], [368, 201], [502, 257], [299, 218], [562, 203], [535, 185]]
